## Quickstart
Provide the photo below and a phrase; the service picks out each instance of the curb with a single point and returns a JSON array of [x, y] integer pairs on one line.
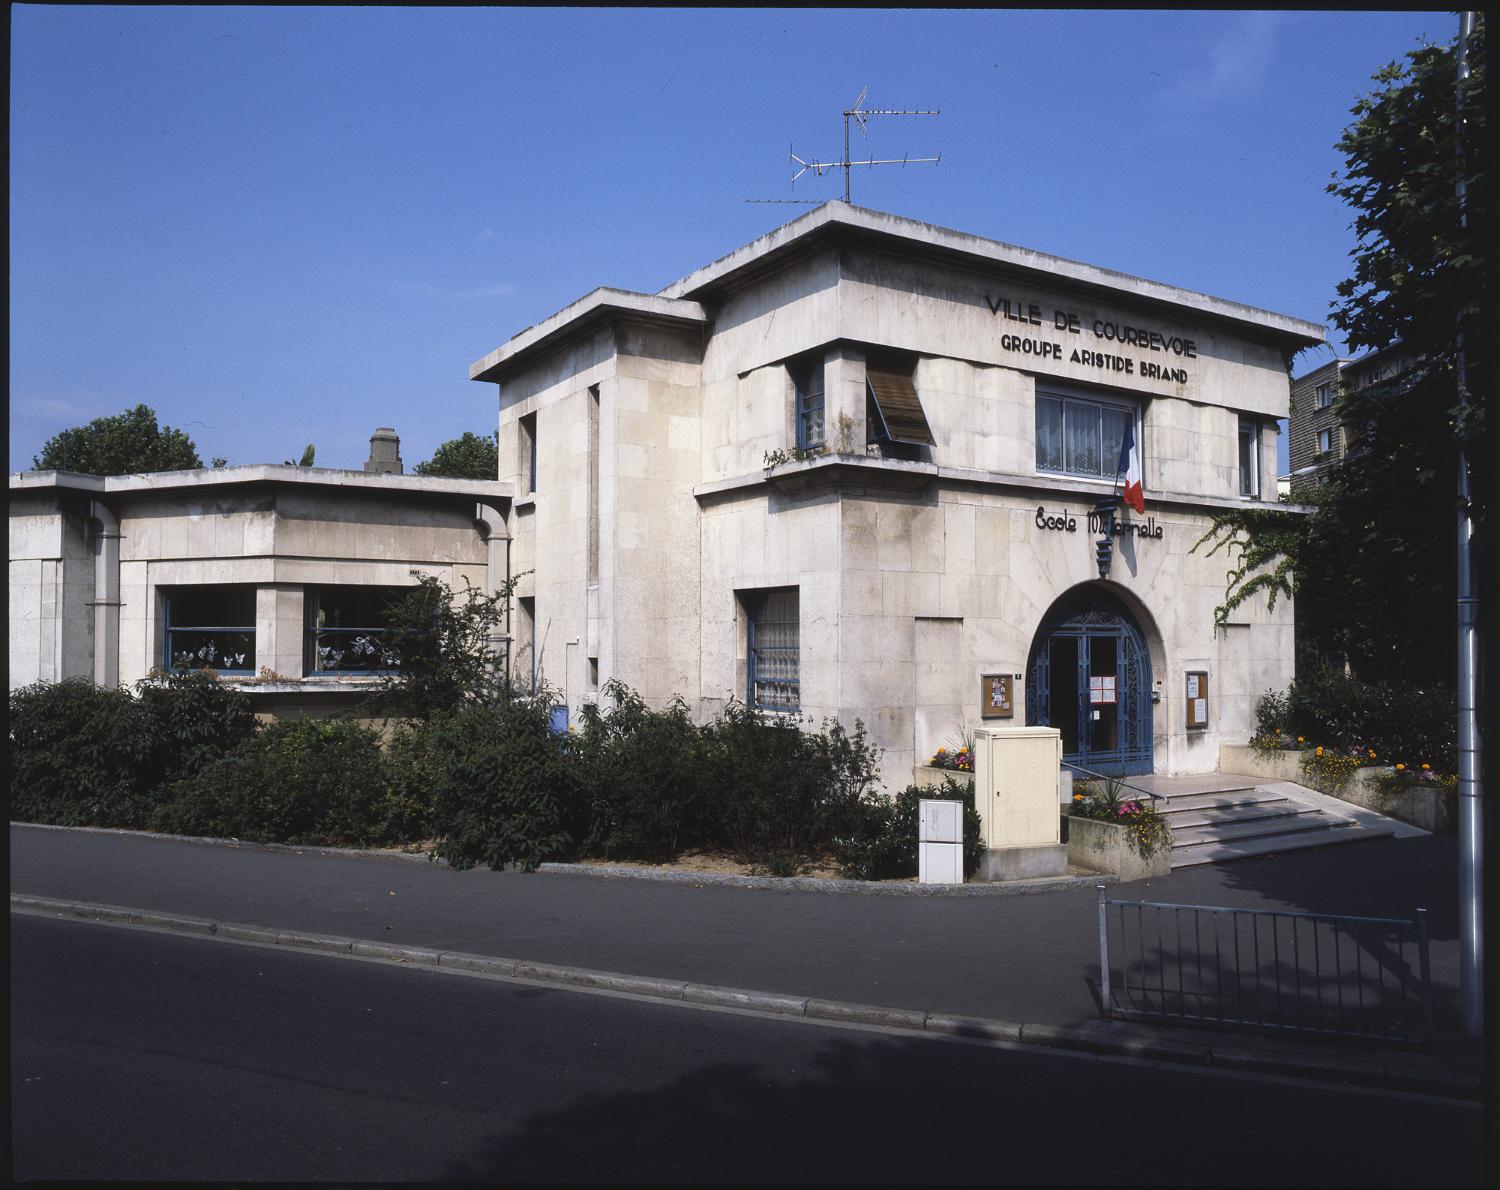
[[1376, 1073], [868, 888]]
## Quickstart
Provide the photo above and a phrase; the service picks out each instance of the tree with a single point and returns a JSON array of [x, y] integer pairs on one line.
[[469, 457], [124, 444], [448, 646], [1373, 566]]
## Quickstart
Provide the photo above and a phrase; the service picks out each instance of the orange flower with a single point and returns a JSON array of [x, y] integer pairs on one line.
[[1372, 753], [1319, 752], [1400, 767], [1427, 768], [1300, 740]]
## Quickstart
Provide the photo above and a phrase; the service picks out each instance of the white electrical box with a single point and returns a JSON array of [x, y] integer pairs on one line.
[[940, 841], [941, 821], [940, 863]]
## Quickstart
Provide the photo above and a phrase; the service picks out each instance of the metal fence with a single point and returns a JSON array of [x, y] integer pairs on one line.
[[1299, 972]]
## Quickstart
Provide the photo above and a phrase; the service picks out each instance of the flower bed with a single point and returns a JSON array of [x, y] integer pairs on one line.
[[961, 760]]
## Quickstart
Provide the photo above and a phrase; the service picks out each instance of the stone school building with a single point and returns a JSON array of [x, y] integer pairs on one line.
[[865, 467]]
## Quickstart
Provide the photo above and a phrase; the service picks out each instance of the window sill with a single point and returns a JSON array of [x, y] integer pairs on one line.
[[306, 685]]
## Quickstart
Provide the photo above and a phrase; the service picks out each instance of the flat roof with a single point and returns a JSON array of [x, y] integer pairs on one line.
[[206, 478], [593, 309], [681, 301]]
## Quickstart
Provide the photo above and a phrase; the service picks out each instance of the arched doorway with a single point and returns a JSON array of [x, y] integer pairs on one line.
[[1089, 675]]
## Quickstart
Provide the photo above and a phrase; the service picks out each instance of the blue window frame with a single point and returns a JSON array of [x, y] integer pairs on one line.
[[348, 630], [808, 379], [209, 628], [772, 650], [1081, 437]]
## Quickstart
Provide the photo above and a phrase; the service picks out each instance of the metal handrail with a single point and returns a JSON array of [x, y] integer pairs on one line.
[[1155, 797]]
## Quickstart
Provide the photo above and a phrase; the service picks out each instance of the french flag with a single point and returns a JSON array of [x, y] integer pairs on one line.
[[1132, 491]]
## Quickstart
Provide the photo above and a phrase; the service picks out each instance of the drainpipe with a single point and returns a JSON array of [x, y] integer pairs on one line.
[[496, 537], [106, 595]]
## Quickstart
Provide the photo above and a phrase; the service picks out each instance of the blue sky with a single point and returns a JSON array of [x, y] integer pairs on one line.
[[282, 226]]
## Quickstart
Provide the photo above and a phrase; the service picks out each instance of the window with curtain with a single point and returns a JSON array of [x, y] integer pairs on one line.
[[772, 650], [1080, 437]]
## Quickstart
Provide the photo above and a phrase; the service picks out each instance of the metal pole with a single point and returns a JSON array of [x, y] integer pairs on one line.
[[846, 155], [1104, 996], [1470, 787]]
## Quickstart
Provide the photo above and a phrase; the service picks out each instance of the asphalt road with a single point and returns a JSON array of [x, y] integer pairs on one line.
[[154, 1057], [1021, 958]]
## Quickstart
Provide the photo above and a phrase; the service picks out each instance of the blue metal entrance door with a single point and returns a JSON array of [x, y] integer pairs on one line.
[[1090, 677]]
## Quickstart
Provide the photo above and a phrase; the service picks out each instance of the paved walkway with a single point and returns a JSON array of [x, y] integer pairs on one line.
[[1029, 958]]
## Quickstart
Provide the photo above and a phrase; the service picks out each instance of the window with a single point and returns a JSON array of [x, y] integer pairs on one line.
[[526, 668], [771, 622], [807, 381], [1249, 458], [528, 451], [1078, 437], [210, 628], [348, 629], [1325, 441], [593, 527], [893, 411], [1324, 393]]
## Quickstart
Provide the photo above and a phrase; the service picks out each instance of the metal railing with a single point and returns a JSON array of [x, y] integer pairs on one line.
[[1093, 776], [1367, 977]]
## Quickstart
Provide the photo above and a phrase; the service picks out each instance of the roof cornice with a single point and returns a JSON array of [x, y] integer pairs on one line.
[[273, 474], [592, 310], [838, 221]]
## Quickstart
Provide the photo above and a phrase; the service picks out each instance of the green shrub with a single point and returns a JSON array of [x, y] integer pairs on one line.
[[884, 843], [76, 754], [643, 775], [412, 762], [192, 719], [504, 788], [774, 788], [310, 781], [1272, 714], [1413, 724]]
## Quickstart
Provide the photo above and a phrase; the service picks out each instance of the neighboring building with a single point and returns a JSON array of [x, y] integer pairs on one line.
[[1317, 442], [275, 576], [848, 470]]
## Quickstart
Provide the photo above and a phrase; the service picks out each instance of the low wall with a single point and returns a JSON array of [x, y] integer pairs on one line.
[[1428, 807], [924, 775], [1106, 847]]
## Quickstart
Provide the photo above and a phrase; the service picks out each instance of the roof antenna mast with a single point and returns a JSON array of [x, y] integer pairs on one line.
[[860, 114]]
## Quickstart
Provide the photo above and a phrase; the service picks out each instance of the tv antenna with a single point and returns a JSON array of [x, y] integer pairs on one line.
[[860, 115]]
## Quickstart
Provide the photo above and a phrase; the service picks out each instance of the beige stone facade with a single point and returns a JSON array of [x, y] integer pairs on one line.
[[650, 527], [97, 566]]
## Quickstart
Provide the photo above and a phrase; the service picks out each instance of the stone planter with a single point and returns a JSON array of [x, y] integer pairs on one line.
[[1421, 806], [923, 775], [1278, 766], [1106, 847]]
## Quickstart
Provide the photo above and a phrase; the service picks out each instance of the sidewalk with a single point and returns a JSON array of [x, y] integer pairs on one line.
[[1028, 958]]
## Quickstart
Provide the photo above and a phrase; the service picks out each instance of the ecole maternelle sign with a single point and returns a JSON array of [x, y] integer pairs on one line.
[[1106, 339], [1067, 522]]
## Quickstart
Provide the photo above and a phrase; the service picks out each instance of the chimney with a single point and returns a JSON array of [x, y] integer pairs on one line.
[[385, 453]]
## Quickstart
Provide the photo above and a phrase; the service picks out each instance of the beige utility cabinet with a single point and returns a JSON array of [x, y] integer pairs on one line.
[[1016, 775]]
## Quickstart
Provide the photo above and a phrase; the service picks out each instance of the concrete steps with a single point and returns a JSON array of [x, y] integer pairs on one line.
[[1222, 852], [1220, 817]]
